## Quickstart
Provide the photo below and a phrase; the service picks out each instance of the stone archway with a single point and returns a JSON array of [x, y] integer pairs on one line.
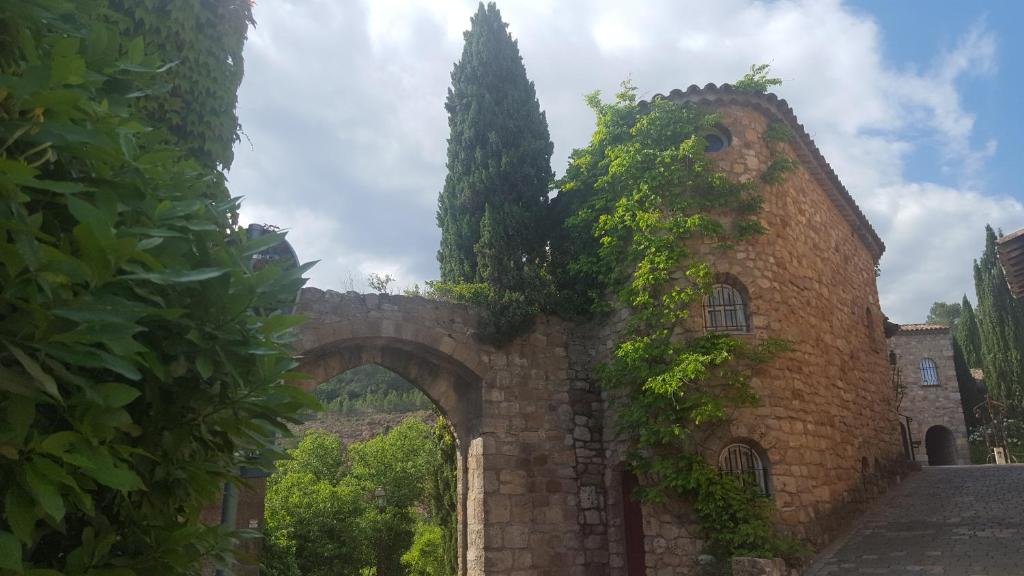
[[516, 423], [940, 445], [450, 385]]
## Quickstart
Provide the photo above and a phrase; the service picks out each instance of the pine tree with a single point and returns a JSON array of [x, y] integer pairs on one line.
[[499, 162], [1000, 326], [944, 313], [967, 335]]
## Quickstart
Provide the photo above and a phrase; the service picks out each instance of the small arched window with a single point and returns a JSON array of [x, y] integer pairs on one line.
[[725, 310], [745, 464], [929, 374]]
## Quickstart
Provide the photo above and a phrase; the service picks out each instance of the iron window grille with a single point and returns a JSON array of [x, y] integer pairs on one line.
[[725, 310], [929, 375], [743, 463]]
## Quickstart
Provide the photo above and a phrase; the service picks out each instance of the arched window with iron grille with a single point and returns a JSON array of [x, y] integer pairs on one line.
[[929, 374], [725, 310], [745, 464]]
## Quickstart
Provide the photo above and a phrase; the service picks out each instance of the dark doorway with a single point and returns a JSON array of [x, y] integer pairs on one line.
[[633, 522], [940, 445]]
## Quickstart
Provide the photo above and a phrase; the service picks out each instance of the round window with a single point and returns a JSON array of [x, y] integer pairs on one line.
[[715, 142]]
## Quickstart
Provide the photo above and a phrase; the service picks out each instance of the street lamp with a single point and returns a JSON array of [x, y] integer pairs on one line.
[[381, 498]]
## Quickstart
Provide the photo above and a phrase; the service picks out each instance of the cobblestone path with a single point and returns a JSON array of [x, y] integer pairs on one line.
[[951, 520]]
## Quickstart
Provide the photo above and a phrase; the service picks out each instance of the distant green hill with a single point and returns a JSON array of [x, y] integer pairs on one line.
[[371, 389]]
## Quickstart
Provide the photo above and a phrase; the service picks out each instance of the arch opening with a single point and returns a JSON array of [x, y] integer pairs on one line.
[[442, 383], [940, 445], [451, 386]]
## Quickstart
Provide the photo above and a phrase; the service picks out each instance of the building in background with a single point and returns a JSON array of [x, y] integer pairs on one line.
[[932, 418], [1010, 249]]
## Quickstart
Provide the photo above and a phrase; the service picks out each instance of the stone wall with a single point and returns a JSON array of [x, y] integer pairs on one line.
[[811, 281], [927, 405], [827, 406]]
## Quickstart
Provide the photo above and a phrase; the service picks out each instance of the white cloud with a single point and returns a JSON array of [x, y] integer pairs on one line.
[[343, 101]]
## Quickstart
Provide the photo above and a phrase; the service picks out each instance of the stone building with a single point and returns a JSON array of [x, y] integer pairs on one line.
[[824, 432], [932, 418], [542, 487], [1010, 249]]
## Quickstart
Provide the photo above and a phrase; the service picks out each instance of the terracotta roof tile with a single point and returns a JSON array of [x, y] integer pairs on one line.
[[924, 328], [807, 152]]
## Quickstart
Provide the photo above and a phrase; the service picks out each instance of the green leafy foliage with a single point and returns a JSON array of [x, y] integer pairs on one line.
[[757, 79], [944, 313], [1000, 320], [425, 556], [201, 43], [777, 169], [778, 131], [314, 519], [507, 313], [967, 334], [972, 393], [322, 516], [632, 203], [499, 165], [440, 496], [139, 357]]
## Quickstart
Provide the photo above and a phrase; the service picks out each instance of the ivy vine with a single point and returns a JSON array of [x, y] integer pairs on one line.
[[639, 197]]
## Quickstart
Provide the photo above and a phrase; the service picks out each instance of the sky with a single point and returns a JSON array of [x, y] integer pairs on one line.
[[915, 104]]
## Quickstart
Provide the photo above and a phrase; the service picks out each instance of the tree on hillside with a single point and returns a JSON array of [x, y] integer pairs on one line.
[[967, 335], [313, 514], [499, 162], [441, 492], [322, 514], [1001, 327], [944, 313]]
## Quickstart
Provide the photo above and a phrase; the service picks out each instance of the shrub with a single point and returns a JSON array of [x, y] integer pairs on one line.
[[141, 356]]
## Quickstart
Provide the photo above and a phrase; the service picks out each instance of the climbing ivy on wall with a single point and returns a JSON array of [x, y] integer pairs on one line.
[[195, 98], [634, 202]]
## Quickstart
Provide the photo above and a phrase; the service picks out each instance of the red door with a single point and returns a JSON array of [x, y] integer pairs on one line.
[[633, 522]]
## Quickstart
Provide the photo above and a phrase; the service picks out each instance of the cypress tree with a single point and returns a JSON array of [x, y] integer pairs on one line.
[[499, 162], [1000, 326], [967, 335], [971, 393]]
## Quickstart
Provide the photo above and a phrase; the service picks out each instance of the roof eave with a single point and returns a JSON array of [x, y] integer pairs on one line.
[[808, 154]]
